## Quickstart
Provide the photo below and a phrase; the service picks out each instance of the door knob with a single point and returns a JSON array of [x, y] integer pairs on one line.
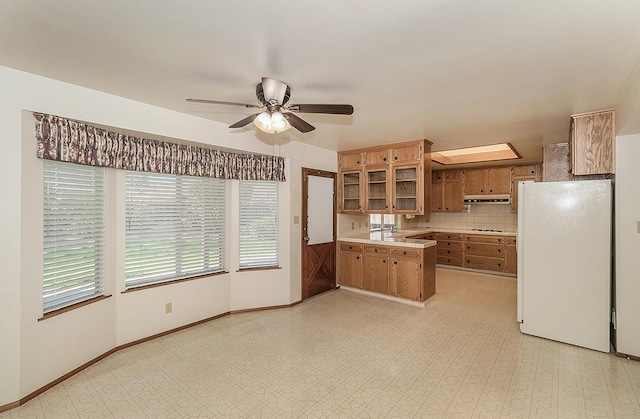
[[306, 238]]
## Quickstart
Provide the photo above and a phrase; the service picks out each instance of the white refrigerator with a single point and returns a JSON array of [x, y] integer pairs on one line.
[[564, 247]]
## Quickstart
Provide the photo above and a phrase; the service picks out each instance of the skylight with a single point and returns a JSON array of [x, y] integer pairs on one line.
[[493, 152]]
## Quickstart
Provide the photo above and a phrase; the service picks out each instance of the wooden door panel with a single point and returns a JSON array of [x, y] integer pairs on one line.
[[318, 264], [453, 196], [498, 180], [350, 269], [376, 274], [406, 278], [474, 182]]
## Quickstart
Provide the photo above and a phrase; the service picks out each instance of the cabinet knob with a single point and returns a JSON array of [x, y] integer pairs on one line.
[[384, 159], [498, 264], [395, 158], [481, 190], [350, 247], [358, 162], [499, 250], [447, 208], [395, 262], [468, 247], [404, 253], [357, 257], [490, 190], [448, 251], [375, 250], [384, 261]]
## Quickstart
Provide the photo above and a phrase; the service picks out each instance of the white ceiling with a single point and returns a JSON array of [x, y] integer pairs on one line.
[[458, 73]]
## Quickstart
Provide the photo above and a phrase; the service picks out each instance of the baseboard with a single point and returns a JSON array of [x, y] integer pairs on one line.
[[57, 381], [631, 357]]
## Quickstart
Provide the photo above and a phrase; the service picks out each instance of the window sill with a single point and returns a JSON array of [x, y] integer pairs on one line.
[[73, 307], [172, 282], [259, 268]]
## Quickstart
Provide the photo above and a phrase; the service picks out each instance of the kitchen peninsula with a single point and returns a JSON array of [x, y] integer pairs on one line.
[[402, 263]]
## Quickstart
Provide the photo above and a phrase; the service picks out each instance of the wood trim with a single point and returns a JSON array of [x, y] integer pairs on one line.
[[173, 281], [73, 307], [259, 268], [73, 372], [629, 357], [249, 310], [578, 115]]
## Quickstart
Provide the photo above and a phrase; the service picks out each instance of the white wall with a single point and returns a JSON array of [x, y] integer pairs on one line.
[[627, 217], [33, 353]]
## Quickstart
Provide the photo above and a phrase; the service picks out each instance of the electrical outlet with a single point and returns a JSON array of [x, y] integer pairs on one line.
[[168, 308]]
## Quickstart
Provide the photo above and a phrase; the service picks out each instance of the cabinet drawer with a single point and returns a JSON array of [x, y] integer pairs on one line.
[[449, 252], [446, 260], [510, 240], [484, 249], [486, 264], [377, 250], [449, 236], [406, 253], [449, 245], [350, 247], [426, 236], [484, 238]]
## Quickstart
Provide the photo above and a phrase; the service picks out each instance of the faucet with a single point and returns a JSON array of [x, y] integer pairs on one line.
[[394, 228]]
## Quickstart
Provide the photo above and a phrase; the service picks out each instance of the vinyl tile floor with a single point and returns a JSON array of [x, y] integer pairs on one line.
[[348, 355]]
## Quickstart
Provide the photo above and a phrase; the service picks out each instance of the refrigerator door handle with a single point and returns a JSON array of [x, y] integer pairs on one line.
[[520, 251]]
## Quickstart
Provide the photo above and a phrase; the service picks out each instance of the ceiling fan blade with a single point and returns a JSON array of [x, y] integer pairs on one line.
[[274, 90], [298, 123], [246, 121], [330, 109], [220, 102]]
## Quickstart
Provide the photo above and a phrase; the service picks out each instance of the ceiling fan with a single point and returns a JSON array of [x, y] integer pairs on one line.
[[278, 116]]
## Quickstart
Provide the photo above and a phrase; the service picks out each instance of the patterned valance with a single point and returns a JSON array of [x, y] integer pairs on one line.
[[76, 142]]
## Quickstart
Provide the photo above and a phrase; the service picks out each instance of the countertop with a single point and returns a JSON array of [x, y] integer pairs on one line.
[[399, 238]]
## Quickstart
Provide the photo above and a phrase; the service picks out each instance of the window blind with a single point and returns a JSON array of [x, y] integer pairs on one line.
[[73, 263], [175, 227], [258, 224]]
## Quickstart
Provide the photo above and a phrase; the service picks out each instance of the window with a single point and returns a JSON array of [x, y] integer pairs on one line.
[[258, 224], [379, 222], [73, 263], [175, 227]]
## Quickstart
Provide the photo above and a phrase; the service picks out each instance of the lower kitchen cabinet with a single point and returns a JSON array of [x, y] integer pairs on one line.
[[484, 252], [350, 264], [449, 249], [511, 256], [376, 269], [405, 272]]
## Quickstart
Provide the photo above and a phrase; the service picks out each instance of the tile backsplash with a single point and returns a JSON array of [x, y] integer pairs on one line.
[[484, 216]]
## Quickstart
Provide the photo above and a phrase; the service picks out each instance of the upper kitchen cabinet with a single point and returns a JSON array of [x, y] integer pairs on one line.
[[446, 191], [395, 178], [591, 142], [377, 189], [488, 181], [350, 160], [522, 174], [350, 191], [408, 153]]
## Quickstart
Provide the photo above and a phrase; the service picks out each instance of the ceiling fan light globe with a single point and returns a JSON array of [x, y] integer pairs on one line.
[[279, 123], [263, 122]]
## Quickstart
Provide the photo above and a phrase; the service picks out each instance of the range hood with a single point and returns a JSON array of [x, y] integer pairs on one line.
[[487, 199]]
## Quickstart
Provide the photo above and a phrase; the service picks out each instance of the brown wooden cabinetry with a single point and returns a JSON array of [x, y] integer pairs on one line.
[[350, 264], [484, 252], [511, 256], [406, 268], [488, 181], [396, 178], [522, 174], [591, 142], [449, 249], [375, 276], [405, 272], [350, 191], [446, 191], [377, 189]]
